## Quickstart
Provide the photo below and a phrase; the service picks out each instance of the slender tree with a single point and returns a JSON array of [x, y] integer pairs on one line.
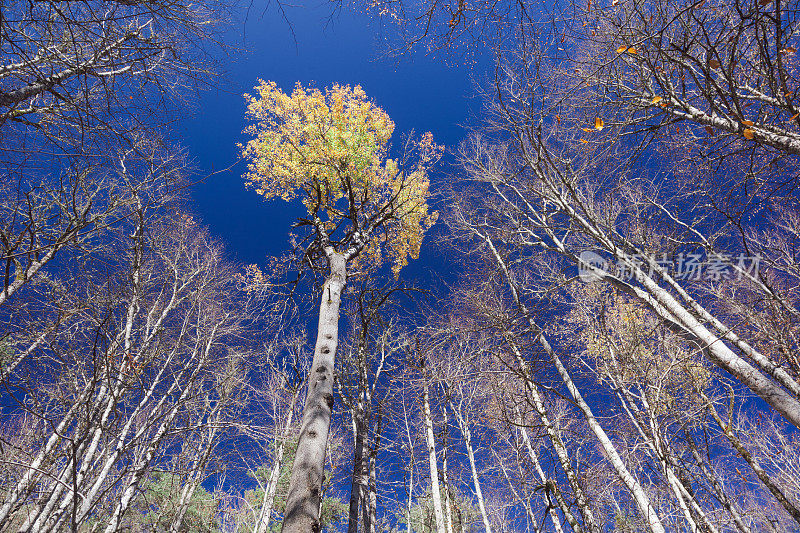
[[330, 149]]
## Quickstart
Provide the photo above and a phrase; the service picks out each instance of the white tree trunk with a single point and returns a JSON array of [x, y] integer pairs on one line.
[[463, 425], [539, 471], [305, 485], [436, 495], [639, 495], [448, 506], [265, 512]]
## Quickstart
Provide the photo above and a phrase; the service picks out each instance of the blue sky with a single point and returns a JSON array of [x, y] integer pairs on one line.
[[419, 92]]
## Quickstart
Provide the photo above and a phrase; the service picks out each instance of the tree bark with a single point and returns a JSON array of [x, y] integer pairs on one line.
[[640, 497], [436, 495], [448, 506], [467, 434], [305, 485], [538, 467], [272, 483]]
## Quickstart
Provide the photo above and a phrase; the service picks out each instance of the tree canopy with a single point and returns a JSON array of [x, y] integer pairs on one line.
[[332, 147]]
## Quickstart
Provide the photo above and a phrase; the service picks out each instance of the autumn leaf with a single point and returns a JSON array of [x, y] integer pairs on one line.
[[793, 117], [713, 63], [598, 123], [558, 119], [632, 50], [747, 122], [789, 50], [621, 49], [327, 146], [748, 133], [656, 99], [709, 130], [587, 130], [584, 141]]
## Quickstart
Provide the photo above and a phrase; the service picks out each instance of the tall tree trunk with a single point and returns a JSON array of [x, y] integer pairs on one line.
[[360, 427], [410, 498], [525, 502], [639, 495], [356, 481], [554, 435], [719, 490], [370, 502], [637, 492], [305, 485], [448, 505], [275, 472], [773, 485], [463, 425], [436, 495], [200, 461], [539, 471], [410, 442]]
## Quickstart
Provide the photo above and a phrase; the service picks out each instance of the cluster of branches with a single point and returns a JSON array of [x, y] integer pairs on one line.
[[547, 392], [126, 345], [619, 393]]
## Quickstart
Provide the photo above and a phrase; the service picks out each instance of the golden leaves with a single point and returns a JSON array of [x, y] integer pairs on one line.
[[629, 49], [656, 99], [330, 146], [598, 123], [713, 63], [748, 133], [789, 50], [747, 122]]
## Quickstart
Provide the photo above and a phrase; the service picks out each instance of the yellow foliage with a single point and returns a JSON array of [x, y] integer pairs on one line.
[[325, 147], [628, 345]]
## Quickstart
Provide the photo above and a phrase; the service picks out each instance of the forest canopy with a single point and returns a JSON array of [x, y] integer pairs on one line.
[[581, 314]]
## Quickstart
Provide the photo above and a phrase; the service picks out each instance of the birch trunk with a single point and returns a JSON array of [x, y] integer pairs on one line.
[[305, 485], [436, 495], [359, 434], [463, 425], [448, 506], [636, 490], [272, 483], [525, 503], [640, 497], [560, 448], [539, 471]]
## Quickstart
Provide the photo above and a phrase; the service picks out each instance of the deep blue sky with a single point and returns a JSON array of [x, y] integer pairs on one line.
[[419, 92]]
